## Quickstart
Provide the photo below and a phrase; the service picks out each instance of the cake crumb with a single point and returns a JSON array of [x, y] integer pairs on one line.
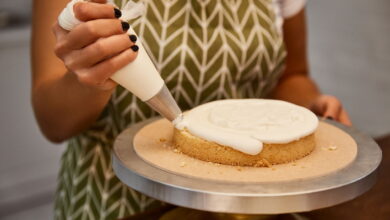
[[212, 163], [176, 150], [303, 167], [294, 164], [259, 163], [166, 144], [268, 164], [239, 168], [332, 148], [182, 164], [263, 163], [273, 168], [163, 140]]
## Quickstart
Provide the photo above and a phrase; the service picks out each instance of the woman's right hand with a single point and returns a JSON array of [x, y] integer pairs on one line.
[[98, 47]]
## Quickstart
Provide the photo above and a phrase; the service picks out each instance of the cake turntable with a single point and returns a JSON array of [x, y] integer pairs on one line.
[[248, 197]]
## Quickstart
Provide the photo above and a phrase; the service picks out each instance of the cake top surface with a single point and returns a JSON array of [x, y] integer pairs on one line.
[[245, 124]]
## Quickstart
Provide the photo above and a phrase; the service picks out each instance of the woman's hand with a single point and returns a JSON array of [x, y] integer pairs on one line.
[[68, 99], [98, 47], [330, 107]]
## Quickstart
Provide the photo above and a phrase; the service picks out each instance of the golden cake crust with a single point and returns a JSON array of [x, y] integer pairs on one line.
[[270, 155]]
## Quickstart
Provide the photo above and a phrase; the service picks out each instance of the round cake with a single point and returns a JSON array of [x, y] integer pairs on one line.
[[246, 132]]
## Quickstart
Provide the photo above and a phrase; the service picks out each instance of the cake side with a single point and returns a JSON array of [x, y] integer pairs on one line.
[[271, 154]]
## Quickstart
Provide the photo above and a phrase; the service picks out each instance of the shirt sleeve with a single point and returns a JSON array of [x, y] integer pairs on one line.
[[289, 8]]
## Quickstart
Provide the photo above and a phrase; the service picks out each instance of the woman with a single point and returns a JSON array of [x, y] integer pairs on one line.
[[205, 50]]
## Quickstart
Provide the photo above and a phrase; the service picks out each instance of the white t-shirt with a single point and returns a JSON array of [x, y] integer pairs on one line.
[[289, 8], [285, 9]]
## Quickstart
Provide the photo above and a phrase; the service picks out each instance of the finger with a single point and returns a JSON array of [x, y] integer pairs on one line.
[[344, 118], [60, 35], [98, 74], [58, 31], [98, 51], [86, 11], [89, 32], [332, 109], [318, 107], [108, 84]]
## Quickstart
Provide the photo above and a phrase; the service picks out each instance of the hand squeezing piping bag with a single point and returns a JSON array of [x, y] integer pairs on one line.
[[140, 76]]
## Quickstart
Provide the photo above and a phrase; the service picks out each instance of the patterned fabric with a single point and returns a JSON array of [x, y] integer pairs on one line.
[[205, 50]]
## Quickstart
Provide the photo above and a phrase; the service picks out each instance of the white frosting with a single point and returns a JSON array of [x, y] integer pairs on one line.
[[179, 122], [245, 124]]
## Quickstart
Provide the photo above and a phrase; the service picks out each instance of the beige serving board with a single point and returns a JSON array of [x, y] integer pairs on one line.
[[334, 150]]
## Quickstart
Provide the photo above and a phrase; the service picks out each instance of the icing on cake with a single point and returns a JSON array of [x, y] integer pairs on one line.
[[245, 124]]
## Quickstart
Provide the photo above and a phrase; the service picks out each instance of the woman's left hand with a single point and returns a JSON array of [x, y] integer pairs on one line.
[[330, 107]]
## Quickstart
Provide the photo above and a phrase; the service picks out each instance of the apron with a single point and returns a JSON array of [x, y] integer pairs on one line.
[[204, 50]]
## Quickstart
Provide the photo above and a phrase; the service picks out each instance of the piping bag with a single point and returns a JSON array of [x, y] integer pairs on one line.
[[140, 77]]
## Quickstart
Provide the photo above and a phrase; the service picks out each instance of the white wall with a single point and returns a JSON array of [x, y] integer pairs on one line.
[[28, 163], [349, 47]]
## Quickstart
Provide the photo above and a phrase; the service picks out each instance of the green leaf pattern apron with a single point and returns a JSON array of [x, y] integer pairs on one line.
[[205, 50]]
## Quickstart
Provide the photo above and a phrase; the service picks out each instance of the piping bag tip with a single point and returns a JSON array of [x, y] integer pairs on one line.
[[164, 103]]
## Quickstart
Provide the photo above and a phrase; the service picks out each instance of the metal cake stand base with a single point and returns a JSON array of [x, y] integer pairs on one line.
[[247, 198]]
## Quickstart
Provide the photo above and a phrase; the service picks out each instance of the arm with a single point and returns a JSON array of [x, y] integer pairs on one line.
[[68, 99], [295, 84]]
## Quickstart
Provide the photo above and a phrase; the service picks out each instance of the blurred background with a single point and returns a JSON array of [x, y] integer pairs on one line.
[[349, 51]]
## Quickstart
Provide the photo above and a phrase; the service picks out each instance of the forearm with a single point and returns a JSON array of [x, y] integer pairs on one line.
[[298, 89], [64, 107], [295, 84]]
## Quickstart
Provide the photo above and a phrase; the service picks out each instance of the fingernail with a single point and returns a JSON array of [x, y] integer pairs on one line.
[[133, 38], [135, 48], [330, 117], [117, 13], [125, 26]]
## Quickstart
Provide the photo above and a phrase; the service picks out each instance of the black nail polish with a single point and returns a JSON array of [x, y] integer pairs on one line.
[[117, 13], [135, 48], [330, 117], [125, 26], [133, 38]]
